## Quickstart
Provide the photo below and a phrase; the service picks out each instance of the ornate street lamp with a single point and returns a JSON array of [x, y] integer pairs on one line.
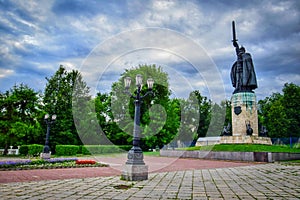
[[49, 121], [135, 168]]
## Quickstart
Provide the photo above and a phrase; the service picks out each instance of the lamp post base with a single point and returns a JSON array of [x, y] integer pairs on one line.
[[133, 172], [135, 156], [135, 168], [45, 155]]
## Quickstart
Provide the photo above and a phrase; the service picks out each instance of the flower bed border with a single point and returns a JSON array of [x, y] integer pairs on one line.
[[55, 163], [52, 167]]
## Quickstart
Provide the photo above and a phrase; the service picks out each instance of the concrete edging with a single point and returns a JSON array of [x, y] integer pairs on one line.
[[236, 156]]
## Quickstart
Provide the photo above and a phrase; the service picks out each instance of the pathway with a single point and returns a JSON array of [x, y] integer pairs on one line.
[[156, 164], [261, 181]]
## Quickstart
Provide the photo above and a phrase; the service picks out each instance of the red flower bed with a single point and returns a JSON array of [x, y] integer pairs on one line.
[[85, 162]]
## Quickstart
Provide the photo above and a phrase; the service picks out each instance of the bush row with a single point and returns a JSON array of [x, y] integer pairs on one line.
[[66, 150], [31, 150], [70, 150]]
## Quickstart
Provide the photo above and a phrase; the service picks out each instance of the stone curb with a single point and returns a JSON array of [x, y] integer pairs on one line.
[[236, 156]]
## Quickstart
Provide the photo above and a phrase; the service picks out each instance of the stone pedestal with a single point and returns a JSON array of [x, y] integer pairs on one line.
[[244, 111], [133, 172], [135, 168], [45, 155]]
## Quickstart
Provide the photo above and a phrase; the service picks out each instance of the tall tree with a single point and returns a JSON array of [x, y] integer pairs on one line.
[[58, 97], [290, 101], [205, 114]]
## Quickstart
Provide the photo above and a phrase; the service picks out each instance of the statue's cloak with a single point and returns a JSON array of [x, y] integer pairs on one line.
[[248, 77]]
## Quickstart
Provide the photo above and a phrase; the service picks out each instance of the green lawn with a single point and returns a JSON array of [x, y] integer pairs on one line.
[[151, 153], [245, 148]]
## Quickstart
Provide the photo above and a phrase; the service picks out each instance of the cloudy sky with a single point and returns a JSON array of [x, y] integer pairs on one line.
[[191, 40]]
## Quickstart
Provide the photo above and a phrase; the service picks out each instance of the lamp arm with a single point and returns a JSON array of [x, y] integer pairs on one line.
[[129, 94], [148, 93]]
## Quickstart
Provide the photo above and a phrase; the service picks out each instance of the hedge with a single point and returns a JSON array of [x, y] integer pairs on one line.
[[31, 150], [35, 149], [71, 150], [23, 150], [125, 147], [102, 149], [66, 150]]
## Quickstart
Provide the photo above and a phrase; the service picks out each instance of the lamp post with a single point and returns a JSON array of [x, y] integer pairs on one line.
[[49, 121], [135, 168]]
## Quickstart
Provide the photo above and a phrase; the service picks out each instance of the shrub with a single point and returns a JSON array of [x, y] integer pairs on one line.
[[80, 149], [35, 149], [85, 151], [66, 150], [23, 150]]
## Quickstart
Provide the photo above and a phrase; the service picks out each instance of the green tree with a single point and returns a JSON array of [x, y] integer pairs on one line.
[[217, 120], [189, 119], [273, 116], [62, 88], [226, 105], [205, 114], [224, 113], [86, 122], [278, 112], [19, 118], [163, 120], [291, 104], [156, 109], [108, 116], [165, 123]]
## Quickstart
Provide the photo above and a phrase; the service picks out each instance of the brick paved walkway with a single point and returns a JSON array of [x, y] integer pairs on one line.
[[262, 181], [163, 164], [156, 164]]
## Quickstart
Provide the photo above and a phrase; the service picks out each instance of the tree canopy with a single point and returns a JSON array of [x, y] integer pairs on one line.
[[57, 100], [19, 117], [158, 123], [280, 112]]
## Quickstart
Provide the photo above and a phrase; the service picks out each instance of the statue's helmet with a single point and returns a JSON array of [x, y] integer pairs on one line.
[[242, 49]]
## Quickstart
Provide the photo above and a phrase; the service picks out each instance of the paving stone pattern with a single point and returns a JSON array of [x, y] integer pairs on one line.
[[263, 181]]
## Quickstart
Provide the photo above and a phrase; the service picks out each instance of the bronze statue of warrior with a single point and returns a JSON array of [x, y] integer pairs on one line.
[[242, 74]]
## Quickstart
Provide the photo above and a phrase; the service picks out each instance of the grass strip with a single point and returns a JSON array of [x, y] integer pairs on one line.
[[244, 148]]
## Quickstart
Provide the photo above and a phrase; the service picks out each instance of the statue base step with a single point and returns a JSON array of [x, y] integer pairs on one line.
[[245, 139]]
